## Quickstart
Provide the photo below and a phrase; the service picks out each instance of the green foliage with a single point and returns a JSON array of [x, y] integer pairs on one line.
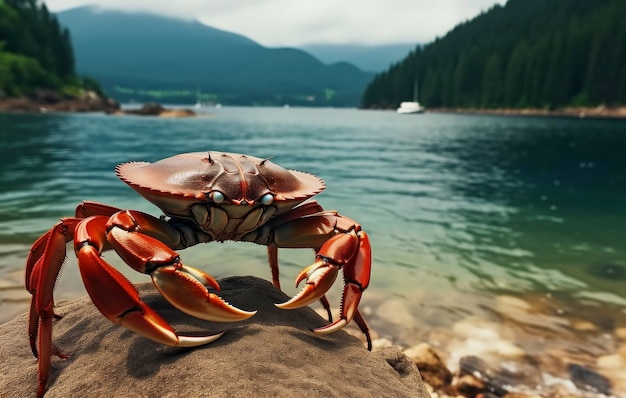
[[18, 74], [35, 52], [529, 53], [91, 84]]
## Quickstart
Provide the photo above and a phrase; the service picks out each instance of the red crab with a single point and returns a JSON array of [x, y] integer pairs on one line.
[[205, 196]]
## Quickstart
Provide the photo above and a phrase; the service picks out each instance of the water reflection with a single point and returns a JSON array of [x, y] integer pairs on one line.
[[467, 214], [539, 194]]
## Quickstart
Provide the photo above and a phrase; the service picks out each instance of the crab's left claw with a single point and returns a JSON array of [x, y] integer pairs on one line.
[[352, 252]]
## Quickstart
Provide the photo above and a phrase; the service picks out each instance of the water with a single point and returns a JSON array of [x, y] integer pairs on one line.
[[467, 214]]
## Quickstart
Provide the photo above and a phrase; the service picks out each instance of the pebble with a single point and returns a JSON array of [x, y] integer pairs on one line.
[[621, 350], [470, 386], [484, 337], [621, 333], [614, 361], [506, 303], [584, 326], [589, 380], [431, 366], [470, 329], [395, 312], [381, 343]]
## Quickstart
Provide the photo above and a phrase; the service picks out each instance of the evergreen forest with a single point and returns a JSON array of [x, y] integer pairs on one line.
[[35, 52], [526, 54]]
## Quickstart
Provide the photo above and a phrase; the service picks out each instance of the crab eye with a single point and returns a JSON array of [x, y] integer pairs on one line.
[[267, 199], [217, 197]]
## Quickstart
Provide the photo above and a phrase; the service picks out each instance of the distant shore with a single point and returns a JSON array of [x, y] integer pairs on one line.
[[51, 102], [45, 101], [602, 111]]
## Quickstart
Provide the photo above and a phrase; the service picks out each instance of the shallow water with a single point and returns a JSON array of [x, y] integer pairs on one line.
[[506, 221]]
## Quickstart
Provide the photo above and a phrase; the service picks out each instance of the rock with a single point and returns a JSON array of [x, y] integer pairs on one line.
[[381, 343], [505, 304], [483, 338], [271, 354], [154, 109], [588, 379], [613, 361], [621, 350], [430, 365], [395, 312], [470, 386], [497, 380], [44, 101], [583, 326], [149, 109], [620, 333]]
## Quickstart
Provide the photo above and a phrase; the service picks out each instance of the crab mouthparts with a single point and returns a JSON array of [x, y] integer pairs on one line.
[[242, 202]]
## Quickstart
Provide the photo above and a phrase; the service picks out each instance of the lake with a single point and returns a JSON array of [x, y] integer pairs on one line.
[[509, 224]]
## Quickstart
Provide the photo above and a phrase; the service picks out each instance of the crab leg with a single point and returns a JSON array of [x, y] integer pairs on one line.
[[272, 253], [42, 269], [43, 265], [345, 247], [356, 276]]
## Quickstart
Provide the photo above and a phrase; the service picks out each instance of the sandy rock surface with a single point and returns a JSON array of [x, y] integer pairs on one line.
[[272, 354]]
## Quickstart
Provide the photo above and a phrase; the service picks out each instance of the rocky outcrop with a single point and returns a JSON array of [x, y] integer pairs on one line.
[[44, 101], [272, 354], [154, 109]]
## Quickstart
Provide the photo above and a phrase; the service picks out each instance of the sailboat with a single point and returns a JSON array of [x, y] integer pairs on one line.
[[198, 103], [411, 107]]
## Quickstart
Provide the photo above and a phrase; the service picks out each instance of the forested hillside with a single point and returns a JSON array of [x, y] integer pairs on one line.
[[526, 54], [35, 52]]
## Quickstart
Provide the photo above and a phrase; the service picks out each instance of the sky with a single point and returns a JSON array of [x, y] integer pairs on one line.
[[298, 22]]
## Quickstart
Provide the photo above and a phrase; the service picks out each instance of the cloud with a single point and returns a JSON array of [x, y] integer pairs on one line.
[[292, 23]]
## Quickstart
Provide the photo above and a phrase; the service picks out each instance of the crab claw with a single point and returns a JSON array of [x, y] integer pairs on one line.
[[149, 324], [350, 303], [319, 276], [119, 301], [184, 287]]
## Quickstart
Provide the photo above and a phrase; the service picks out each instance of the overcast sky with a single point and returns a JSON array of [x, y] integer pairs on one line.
[[297, 22]]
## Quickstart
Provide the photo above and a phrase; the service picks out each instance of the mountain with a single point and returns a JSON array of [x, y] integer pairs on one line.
[[374, 58], [526, 54], [143, 57]]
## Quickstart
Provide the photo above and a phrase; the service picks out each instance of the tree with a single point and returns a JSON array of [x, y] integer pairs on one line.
[[528, 53]]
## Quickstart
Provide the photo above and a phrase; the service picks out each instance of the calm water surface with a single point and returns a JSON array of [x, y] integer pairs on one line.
[[463, 211]]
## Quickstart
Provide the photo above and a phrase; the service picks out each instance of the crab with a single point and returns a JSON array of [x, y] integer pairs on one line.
[[205, 197]]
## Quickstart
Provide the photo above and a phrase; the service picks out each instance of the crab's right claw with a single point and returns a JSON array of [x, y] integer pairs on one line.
[[184, 287], [115, 297], [319, 276], [119, 301]]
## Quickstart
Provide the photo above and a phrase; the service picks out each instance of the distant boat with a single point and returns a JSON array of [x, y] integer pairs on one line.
[[198, 104], [411, 107]]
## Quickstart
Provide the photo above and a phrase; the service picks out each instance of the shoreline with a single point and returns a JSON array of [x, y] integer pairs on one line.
[[599, 112], [48, 101], [477, 355]]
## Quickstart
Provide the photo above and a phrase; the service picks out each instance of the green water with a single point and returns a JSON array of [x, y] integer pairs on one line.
[[461, 209]]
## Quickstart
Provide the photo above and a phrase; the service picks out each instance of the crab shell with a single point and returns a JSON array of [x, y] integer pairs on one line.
[[176, 183]]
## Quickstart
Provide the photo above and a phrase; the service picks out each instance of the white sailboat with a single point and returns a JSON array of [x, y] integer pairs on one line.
[[411, 107], [198, 103]]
